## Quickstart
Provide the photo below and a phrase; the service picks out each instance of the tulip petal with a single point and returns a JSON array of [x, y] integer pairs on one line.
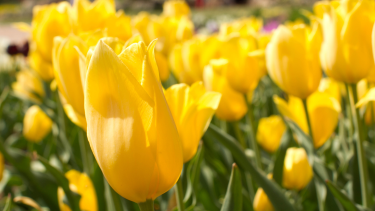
[[369, 96]]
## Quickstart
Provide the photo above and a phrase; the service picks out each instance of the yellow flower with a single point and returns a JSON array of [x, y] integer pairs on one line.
[[176, 8], [367, 98], [28, 86], [331, 87], [297, 171], [119, 25], [129, 125], [50, 21], [36, 124], [323, 111], [270, 131], [163, 67], [243, 27], [346, 53], [148, 26], [262, 41], [79, 183], [261, 201], [192, 109], [292, 59], [232, 105], [41, 66], [68, 76]]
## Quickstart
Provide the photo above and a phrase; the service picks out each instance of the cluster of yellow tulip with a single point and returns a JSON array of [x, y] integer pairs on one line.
[[108, 69]]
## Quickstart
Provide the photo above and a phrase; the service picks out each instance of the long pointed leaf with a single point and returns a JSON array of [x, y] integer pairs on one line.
[[233, 197]]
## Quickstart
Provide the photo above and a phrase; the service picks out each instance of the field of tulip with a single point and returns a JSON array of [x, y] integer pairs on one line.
[[105, 111]]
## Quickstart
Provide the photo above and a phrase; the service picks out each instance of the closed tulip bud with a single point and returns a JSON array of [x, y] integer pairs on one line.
[[68, 76], [28, 86], [36, 124], [81, 184], [232, 105], [42, 67], [129, 125], [192, 109], [331, 87], [323, 111], [297, 171], [50, 21], [176, 8], [269, 133], [346, 53], [292, 59], [261, 200]]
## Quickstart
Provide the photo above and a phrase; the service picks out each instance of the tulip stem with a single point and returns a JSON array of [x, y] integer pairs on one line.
[[82, 146], [308, 118], [180, 195], [362, 165], [148, 205], [239, 135]]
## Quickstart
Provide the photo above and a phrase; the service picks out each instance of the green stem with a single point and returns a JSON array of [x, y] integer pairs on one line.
[[82, 147], [180, 195], [239, 135], [115, 199], [148, 205], [304, 101], [251, 135], [362, 165]]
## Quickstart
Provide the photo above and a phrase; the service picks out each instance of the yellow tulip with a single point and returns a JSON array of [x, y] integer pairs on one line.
[[129, 125], [232, 105], [28, 86], [243, 27], [331, 87], [148, 26], [269, 133], [323, 111], [346, 53], [119, 25], [367, 99], [36, 124], [261, 201], [50, 21], [192, 109], [297, 171], [2, 167], [176, 8], [262, 41], [292, 59], [42, 67], [79, 183], [163, 67]]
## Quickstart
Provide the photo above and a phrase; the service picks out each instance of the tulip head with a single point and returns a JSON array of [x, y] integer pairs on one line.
[[331, 87], [28, 86], [42, 67], [270, 131], [36, 124], [192, 109], [129, 125], [81, 184], [163, 67], [232, 105], [292, 58], [176, 8], [297, 171], [346, 53]]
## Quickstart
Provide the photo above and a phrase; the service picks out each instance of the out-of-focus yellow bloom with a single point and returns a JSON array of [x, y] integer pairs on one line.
[[323, 111], [28, 86], [79, 183], [192, 109], [346, 53], [261, 200], [36, 124], [292, 59], [50, 21], [68, 76], [163, 67], [243, 27], [119, 25], [148, 26], [367, 99], [262, 41], [176, 8], [232, 105], [129, 125], [175, 30], [270, 131], [331, 87], [39, 65], [1, 166], [297, 171]]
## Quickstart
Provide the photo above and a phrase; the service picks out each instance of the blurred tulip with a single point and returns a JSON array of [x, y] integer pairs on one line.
[[28, 86], [129, 125], [323, 110], [292, 59], [261, 200], [36, 124], [367, 99], [163, 67], [50, 21], [331, 87], [119, 25], [243, 27], [81, 184], [297, 171], [270, 131], [232, 105], [346, 53], [41, 66], [262, 42], [148, 26], [176, 8], [192, 109]]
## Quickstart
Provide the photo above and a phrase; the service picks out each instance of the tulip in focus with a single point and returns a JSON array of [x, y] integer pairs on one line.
[[232, 105], [297, 171], [130, 128], [36, 124], [81, 184], [269, 133], [28, 86], [192, 109], [292, 58], [346, 53]]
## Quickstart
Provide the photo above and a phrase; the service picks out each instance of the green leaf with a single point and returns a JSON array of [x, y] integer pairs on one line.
[[273, 191], [63, 182], [194, 173], [345, 201], [279, 162], [8, 204], [305, 140], [233, 197], [98, 181]]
